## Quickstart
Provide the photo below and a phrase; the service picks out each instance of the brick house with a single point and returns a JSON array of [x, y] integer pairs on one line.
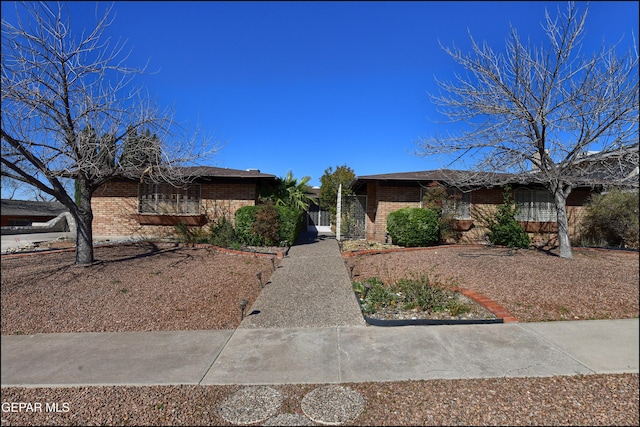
[[128, 207], [24, 213], [386, 193]]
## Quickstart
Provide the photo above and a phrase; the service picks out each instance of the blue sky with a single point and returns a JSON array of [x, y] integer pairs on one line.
[[303, 86]]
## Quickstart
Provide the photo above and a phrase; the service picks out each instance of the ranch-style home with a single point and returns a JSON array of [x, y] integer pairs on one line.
[[24, 213], [382, 194], [128, 207]]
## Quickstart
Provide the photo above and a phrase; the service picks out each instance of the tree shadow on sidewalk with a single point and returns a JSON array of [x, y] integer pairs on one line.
[[309, 237]]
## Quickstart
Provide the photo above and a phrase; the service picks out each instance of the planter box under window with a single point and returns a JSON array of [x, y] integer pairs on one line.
[[154, 219], [462, 224]]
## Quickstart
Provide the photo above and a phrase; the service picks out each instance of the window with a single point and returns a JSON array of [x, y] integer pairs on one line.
[[457, 203], [535, 206], [165, 199]]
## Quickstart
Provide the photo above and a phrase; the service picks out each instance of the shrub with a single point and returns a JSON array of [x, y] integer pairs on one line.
[[435, 198], [424, 293], [267, 224], [221, 232], [412, 227], [376, 297], [611, 219], [504, 229], [244, 219], [421, 294], [290, 224]]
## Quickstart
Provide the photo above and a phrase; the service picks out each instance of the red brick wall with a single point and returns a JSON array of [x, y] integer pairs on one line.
[[115, 205]]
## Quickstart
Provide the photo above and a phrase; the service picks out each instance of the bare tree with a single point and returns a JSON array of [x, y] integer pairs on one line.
[[70, 111], [549, 115]]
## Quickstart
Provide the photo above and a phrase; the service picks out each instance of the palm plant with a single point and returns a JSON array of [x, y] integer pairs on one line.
[[292, 193]]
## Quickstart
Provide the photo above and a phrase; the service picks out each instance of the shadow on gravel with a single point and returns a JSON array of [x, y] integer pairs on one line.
[[152, 249]]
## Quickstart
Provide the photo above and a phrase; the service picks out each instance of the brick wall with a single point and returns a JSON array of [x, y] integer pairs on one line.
[[384, 199], [115, 207]]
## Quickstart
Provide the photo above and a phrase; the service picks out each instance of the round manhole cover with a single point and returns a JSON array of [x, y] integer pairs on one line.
[[333, 405], [251, 405]]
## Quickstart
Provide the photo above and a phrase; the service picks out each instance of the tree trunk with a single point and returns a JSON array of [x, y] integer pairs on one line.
[[560, 198], [84, 222]]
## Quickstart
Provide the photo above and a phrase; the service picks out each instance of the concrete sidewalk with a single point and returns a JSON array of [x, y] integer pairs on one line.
[[306, 327], [321, 355]]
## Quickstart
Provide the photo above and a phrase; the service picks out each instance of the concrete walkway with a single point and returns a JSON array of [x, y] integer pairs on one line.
[[306, 328], [310, 288]]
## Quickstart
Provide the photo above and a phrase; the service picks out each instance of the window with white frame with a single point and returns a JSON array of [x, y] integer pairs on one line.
[[166, 199], [535, 206]]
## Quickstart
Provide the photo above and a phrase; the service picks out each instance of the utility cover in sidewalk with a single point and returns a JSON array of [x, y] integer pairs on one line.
[[333, 405], [251, 405]]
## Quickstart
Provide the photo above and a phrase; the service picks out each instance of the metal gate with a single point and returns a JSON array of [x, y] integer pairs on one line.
[[353, 224], [318, 219]]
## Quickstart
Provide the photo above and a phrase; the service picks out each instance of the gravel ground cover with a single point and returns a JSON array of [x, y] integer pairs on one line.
[[576, 400], [131, 288], [146, 287], [534, 286]]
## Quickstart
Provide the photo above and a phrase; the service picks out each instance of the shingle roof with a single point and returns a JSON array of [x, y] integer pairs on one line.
[[588, 177], [31, 208], [201, 172], [214, 172], [433, 175]]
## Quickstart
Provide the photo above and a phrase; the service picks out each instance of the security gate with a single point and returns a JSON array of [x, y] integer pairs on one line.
[[353, 221], [318, 219]]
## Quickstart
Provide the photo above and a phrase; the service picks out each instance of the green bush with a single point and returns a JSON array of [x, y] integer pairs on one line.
[[504, 229], [611, 220], [221, 232], [413, 227], [267, 224], [244, 218], [290, 224]]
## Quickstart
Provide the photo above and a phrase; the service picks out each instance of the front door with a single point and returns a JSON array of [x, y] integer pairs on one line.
[[318, 220]]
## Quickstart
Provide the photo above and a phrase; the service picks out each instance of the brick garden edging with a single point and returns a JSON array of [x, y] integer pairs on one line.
[[348, 254], [501, 313], [489, 304]]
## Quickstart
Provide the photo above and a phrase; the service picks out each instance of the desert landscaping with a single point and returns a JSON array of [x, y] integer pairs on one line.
[[156, 287]]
